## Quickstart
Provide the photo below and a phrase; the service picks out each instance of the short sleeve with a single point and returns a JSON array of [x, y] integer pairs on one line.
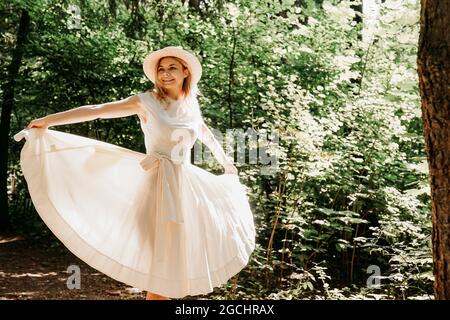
[[146, 104]]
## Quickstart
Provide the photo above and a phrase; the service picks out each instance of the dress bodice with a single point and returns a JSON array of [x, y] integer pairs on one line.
[[171, 132]]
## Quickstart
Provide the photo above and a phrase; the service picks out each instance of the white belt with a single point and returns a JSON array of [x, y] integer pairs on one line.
[[169, 200]]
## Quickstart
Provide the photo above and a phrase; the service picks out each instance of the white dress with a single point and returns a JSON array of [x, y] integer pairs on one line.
[[154, 221]]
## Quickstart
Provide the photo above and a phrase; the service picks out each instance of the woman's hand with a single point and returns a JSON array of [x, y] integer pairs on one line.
[[39, 123], [230, 169]]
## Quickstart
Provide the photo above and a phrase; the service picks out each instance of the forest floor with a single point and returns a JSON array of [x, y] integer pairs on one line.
[[38, 269]]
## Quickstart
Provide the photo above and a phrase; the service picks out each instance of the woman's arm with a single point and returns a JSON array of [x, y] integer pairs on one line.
[[122, 108], [207, 137]]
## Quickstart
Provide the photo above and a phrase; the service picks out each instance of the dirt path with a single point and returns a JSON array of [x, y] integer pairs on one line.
[[37, 269]]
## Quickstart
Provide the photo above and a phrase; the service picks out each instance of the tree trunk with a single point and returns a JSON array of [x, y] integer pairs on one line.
[[5, 121], [433, 63]]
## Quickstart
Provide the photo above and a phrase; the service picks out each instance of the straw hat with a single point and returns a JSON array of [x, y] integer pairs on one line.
[[151, 60]]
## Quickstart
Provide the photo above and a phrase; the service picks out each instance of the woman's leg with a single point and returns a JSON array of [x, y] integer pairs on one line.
[[154, 296]]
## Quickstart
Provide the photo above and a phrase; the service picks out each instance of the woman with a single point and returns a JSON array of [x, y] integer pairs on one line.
[[153, 221]]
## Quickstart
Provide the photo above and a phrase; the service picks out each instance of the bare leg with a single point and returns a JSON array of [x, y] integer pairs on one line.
[[154, 296]]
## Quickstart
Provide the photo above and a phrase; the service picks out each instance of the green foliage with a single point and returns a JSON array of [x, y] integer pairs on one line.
[[351, 189]]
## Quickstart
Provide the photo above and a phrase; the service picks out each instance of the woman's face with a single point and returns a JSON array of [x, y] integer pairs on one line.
[[170, 73]]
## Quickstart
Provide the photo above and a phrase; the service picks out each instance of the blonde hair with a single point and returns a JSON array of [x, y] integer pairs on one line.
[[188, 91]]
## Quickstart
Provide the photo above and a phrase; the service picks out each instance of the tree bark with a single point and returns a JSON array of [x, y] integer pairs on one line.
[[5, 121], [433, 63]]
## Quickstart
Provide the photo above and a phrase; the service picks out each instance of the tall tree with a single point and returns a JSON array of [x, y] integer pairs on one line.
[[5, 121], [433, 63]]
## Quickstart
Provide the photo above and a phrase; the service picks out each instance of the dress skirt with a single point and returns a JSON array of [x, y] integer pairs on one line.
[[170, 228]]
